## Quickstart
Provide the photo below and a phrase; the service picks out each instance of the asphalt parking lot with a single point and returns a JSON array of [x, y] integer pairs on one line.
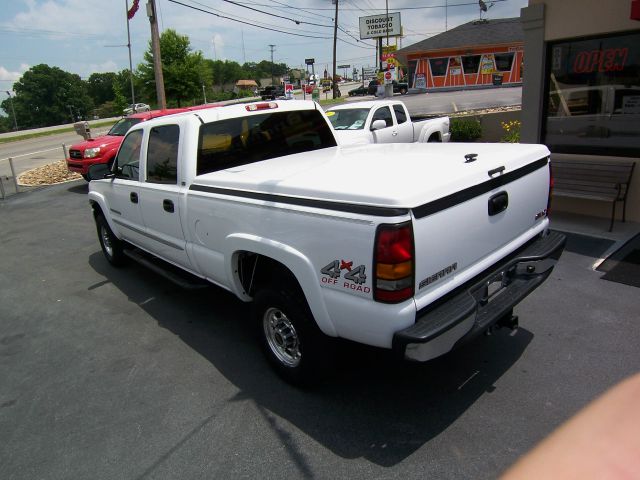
[[116, 373]]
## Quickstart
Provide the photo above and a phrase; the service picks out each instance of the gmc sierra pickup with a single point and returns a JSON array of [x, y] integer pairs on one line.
[[416, 255]]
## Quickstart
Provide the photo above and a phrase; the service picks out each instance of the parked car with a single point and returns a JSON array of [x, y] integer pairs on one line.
[[103, 149], [422, 252], [362, 90], [136, 108], [271, 92], [386, 121], [398, 87], [372, 88]]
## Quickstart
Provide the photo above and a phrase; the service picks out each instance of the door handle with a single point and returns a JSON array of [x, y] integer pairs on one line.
[[498, 203], [168, 206], [394, 133], [133, 196]]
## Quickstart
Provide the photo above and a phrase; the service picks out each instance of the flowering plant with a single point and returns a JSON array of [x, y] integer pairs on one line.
[[512, 131]]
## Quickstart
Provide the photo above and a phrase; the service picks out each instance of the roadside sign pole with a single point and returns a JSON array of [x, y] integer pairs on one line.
[[13, 173]]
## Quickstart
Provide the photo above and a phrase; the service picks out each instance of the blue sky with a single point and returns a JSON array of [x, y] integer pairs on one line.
[[79, 35]]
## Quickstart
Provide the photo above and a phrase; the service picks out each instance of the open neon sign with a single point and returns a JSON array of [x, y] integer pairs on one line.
[[605, 60]]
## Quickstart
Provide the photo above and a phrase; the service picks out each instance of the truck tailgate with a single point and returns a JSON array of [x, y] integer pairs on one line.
[[459, 235]]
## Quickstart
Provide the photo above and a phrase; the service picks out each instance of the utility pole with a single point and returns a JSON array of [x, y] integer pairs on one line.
[[272, 47], [155, 48], [388, 88], [335, 41], [133, 96]]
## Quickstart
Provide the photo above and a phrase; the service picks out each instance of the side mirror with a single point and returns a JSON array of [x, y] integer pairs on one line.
[[378, 125], [99, 171]]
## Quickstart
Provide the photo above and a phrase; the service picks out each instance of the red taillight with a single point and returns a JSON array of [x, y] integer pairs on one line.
[[393, 263]]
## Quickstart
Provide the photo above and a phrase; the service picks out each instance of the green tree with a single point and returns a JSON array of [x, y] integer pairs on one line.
[[219, 73], [182, 68], [48, 96], [100, 87]]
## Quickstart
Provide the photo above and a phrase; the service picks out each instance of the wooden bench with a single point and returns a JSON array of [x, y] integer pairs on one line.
[[606, 181]]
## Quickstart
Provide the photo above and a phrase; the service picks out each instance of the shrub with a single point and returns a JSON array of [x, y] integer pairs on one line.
[[512, 131], [465, 129]]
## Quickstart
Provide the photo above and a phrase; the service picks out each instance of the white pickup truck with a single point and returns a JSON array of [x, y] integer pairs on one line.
[[384, 121], [329, 241]]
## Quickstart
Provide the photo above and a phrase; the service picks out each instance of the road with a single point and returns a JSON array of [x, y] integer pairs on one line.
[[116, 373], [28, 154]]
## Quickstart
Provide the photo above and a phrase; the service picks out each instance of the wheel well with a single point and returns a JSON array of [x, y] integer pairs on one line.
[[434, 137], [255, 271], [95, 206]]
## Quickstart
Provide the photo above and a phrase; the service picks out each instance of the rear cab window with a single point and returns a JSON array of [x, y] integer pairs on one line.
[[239, 141]]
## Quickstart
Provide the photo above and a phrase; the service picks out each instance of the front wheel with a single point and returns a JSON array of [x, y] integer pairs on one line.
[[292, 342], [403, 91], [111, 246]]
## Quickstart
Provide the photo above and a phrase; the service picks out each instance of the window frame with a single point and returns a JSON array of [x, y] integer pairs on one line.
[[177, 155], [115, 166], [611, 149]]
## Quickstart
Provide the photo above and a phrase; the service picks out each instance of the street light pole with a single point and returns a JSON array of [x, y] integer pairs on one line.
[[13, 110], [272, 77], [133, 96]]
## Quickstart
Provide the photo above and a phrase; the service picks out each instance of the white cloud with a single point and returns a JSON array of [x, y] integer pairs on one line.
[[12, 77]]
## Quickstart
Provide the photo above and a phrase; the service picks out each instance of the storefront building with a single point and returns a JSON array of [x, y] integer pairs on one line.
[[584, 100], [478, 53]]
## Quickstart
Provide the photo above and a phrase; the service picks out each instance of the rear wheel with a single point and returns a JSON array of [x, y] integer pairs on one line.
[[403, 91], [292, 342], [111, 246]]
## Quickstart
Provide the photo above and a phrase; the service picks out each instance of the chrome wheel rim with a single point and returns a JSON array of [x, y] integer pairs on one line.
[[106, 241], [282, 337]]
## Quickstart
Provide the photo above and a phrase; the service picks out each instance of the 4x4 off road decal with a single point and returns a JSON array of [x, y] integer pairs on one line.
[[355, 277]]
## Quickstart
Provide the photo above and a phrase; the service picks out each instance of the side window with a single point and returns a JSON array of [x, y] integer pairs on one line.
[[401, 117], [162, 154], [126, 164], [383, 113]]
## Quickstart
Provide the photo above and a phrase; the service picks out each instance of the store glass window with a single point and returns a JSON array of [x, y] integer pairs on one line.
[[593, 96], [471, 63], [439, 66], [504, 61]]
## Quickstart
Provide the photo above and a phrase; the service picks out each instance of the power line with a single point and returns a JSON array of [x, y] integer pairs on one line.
[[248, 23], [395, 9], [297, 22]]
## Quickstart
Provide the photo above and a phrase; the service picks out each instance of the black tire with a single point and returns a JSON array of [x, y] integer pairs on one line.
[[403, 91], [111, 246], [433, 138], [86, 177], [292, 342]]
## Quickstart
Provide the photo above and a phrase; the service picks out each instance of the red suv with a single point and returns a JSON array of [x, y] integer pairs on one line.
[[103, 149]]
